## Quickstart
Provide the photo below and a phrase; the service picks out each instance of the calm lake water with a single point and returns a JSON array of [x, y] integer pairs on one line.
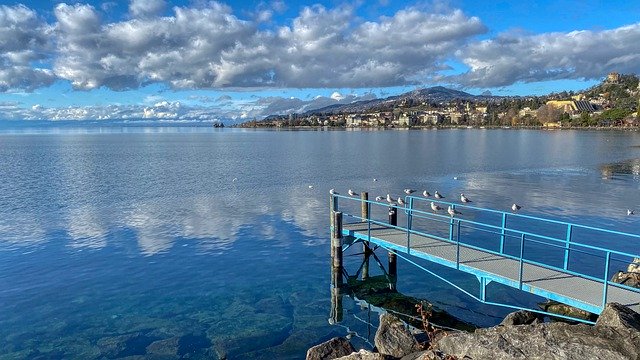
[[200, 243]]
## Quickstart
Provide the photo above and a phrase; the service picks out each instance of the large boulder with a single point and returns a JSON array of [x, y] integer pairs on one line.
[[521, 317], [332, 349], [618, 316], [363, 355], [544, 341], [393, 338]]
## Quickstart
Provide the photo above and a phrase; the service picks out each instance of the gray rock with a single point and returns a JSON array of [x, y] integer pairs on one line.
[[545, 341], [363, 355], [393, 338], [426, 355], [634, 267], [627, 278], [521, 317], [618, 316], [332, 349]]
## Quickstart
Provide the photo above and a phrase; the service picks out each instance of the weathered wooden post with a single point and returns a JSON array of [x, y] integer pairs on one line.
[[336, 267], [364, 208], [393, 258], [333, 207]]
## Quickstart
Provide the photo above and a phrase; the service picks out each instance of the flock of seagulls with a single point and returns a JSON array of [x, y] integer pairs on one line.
[[434, 207]]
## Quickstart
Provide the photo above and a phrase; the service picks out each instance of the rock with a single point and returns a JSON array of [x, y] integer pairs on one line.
[[521, 317], [566, 310], [627, 278], [363, 355], [618, 316], [426, 355], [544, 341], [168, 347], [393, 338], [124, 345], [332, 349], [634, 267]]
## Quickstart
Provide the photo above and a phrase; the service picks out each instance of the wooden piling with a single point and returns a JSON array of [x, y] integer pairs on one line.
[[366, 250], [336, 250]]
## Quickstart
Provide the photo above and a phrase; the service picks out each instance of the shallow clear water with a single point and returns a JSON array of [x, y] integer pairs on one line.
[[114, 239]]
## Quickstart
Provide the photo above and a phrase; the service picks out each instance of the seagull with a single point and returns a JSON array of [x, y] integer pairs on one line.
[[435, 207], [630, 212], [455, 178], [379, 198], [409, 191], [426, 193], [234, 180], [515, 207], [453, 212], [437, 195], [400, 201], [374, 179], [310, 186], [352, 193], [464, 199], [333, 192], [389, 198]]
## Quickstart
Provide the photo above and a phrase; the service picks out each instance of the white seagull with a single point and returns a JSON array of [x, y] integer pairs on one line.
[[310, 186], [435, 207], [437, 195], [333, 192], [379, 198], [426, 193], [630, 212], [409, 191], [352, 193], [453, 212], [400, 201], [516, 207], [374, 179], [389, 198], [464, 199]]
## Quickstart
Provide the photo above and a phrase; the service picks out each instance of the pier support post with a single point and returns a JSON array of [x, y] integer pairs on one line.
[[336, 264], [366, 250], [393, 258]]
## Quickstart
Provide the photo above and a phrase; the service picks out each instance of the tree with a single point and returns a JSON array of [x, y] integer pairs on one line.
[[548, 114]]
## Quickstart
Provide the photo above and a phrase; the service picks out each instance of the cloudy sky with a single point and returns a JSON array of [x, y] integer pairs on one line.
[[238, 60]]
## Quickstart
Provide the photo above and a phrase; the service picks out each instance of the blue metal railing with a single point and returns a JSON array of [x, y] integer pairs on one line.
[[568, 244]]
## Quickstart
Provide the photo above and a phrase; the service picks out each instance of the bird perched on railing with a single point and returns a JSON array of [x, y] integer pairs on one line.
[[464, 199], [437, 195], [390, 199], [426, 193], [333, 192], [379, 198], [435, 207], [401, 201], [409, 191], [516, 207], [453, 212], [352, 193]]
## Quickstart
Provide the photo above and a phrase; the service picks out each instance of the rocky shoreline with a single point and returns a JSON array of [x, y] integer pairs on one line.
[[521, 335]]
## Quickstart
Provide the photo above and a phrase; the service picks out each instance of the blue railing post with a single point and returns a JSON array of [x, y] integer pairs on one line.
[[458, 247], [606, 279], [409, 222], [566, 247], [502, 232], [521, 261]]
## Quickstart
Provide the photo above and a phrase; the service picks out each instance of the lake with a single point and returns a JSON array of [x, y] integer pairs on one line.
[[200, 242]]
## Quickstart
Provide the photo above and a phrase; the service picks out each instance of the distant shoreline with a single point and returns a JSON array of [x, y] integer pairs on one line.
[[443, 127]]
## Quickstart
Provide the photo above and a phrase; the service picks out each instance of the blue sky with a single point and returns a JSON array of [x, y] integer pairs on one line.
[[236, 60]]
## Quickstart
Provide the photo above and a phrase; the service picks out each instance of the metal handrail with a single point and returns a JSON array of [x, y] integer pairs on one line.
[[505, 232]]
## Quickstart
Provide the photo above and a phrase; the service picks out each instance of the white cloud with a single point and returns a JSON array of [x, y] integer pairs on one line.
[[515, 57], [24, 38], [146, 8]]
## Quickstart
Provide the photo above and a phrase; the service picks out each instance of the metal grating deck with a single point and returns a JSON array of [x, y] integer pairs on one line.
[[567, 288]]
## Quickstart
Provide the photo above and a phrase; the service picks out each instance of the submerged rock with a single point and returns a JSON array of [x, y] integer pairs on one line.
[[393, 338], [124, 345], [167, 347], [332, 349]]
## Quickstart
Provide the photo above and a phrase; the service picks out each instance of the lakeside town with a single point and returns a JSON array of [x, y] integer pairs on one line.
[[612, 103]]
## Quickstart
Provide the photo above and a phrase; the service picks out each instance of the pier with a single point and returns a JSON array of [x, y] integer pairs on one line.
[[569, 263]]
